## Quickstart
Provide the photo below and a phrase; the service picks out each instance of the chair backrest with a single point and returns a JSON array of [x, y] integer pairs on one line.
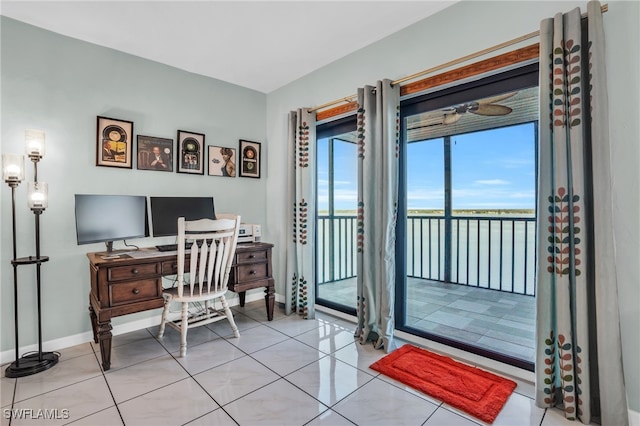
[[210, 255]]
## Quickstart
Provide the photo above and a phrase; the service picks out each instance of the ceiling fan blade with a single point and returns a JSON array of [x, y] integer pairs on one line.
[[494, 99], [451, 118], [491, 110]]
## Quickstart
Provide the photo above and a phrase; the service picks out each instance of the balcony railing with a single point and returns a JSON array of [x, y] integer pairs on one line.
[[493, 252]]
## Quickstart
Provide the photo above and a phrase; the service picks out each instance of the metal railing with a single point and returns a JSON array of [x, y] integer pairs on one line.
[[336, 248], [494, 252]]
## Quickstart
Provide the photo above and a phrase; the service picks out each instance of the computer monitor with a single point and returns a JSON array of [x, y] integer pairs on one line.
[[108, 218], [165, 212]]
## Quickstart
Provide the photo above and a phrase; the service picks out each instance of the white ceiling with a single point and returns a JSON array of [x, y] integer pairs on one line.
[[262, 45]]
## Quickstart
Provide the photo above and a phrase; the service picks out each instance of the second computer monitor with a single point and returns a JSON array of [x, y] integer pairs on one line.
[[165, 212]]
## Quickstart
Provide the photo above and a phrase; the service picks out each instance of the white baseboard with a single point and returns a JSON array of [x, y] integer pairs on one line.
[[634, 418], [87, 336]]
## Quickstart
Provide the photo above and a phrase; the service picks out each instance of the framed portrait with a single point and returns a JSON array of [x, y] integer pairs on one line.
[[114, 143], [249, 159], [155, 153], [222, 161], [190, 149]]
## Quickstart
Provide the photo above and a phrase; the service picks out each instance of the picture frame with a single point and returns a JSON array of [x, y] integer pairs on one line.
[[250, 157], [190, 151], [154, 154], [114, 142], [222, 161]]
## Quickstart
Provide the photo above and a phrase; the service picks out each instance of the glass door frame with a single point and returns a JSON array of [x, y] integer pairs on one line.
[[331, 129], [499, 83]]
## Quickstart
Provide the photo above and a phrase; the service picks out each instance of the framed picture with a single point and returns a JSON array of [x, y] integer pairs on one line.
[[249, 159], [222, 161], [114, 143], [190, 152], [155, 153]]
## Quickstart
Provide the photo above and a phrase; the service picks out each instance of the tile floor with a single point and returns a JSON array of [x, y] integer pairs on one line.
[[285, 372], [489, 319]]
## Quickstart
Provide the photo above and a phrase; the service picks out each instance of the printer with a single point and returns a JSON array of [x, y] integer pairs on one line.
[[249, 233]]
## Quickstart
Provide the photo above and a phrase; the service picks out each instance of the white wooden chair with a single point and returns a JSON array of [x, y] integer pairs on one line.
[[210, 259]]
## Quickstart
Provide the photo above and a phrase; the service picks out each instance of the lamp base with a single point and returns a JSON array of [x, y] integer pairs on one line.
[[31, 364]]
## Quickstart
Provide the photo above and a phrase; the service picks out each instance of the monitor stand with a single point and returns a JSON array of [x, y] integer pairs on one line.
[[111, 253]]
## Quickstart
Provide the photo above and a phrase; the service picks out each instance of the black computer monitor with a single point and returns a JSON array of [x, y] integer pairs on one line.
[[165, 212], [108, 218]]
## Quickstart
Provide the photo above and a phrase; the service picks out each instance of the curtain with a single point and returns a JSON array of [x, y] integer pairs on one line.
[[378, 147], [578, 359], [301, 275]]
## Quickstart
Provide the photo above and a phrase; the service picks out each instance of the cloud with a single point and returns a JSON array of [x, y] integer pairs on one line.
[[492, 182], [425, 194], [522, 194], [515, 163]]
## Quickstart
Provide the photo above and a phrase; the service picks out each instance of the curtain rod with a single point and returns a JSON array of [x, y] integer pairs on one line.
[[604, 8]]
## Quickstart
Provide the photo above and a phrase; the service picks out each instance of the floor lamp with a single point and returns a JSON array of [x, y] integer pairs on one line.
[[13, 173]]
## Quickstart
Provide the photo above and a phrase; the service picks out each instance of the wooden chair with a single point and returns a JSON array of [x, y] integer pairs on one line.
[[210, 258]]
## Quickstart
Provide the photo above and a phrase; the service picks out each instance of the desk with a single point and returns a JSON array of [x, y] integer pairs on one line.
[[133, 283]]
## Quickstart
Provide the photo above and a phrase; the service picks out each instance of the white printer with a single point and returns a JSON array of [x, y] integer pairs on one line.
[[249, 233]]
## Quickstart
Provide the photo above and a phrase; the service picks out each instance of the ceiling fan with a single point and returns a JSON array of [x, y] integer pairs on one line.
[[486, 106]]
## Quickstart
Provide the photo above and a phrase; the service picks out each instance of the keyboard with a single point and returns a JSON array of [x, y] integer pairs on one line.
[[172, 247]]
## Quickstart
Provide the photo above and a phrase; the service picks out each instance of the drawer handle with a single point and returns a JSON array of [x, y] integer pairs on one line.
[[251, 256], [136, 291], [252, 272], [134, 272]]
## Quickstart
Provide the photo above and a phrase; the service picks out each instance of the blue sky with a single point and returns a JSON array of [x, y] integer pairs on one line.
[[490, 169]]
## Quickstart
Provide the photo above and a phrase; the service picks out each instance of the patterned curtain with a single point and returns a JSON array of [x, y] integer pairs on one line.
[[378, 145], [301, 275], [579, 358]]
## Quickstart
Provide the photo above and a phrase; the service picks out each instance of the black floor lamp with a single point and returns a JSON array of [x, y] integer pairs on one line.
[[13, 173]]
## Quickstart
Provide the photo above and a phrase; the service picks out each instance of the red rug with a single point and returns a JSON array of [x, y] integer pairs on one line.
[[477, 392]]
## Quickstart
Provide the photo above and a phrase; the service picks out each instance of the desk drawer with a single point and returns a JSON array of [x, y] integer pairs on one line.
[[251, 272], [118, 273], [170, 267], [128, 292], [251, 256]]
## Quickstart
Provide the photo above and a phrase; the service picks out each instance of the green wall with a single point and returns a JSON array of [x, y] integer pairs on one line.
[[59, 85]]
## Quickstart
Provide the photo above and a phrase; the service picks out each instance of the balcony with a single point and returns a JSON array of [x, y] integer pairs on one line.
[[474, 284]]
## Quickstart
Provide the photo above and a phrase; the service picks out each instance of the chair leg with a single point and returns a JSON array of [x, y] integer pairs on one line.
[[167, 302], [229, 315], [207, 309], [184, 326]]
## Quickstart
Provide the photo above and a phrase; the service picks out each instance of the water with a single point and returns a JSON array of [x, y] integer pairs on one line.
[[497, 253]]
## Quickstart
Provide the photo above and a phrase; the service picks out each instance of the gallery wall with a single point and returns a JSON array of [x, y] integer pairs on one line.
[[457, 31], [60, 85]]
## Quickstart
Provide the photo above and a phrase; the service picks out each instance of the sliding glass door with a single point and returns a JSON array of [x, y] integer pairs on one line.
[[337, 195], [466, 243]]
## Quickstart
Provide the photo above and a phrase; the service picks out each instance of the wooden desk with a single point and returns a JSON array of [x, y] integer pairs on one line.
[[133, 283]]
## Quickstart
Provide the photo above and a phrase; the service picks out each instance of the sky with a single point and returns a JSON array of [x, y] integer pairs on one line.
[[492, 169]]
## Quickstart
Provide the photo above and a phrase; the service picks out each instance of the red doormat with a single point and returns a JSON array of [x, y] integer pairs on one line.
[[477, 392]]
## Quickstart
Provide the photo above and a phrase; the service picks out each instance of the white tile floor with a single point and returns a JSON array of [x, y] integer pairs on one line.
[[284, 372]]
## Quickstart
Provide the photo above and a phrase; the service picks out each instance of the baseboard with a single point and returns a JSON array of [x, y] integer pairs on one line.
[[634, 418], [87, 336]]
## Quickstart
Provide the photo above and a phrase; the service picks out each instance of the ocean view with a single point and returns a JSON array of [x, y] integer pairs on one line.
[[489, 248]]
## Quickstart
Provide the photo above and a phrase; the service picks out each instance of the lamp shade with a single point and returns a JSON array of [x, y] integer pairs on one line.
[[38, 198], [12, 168], [34, 143]]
